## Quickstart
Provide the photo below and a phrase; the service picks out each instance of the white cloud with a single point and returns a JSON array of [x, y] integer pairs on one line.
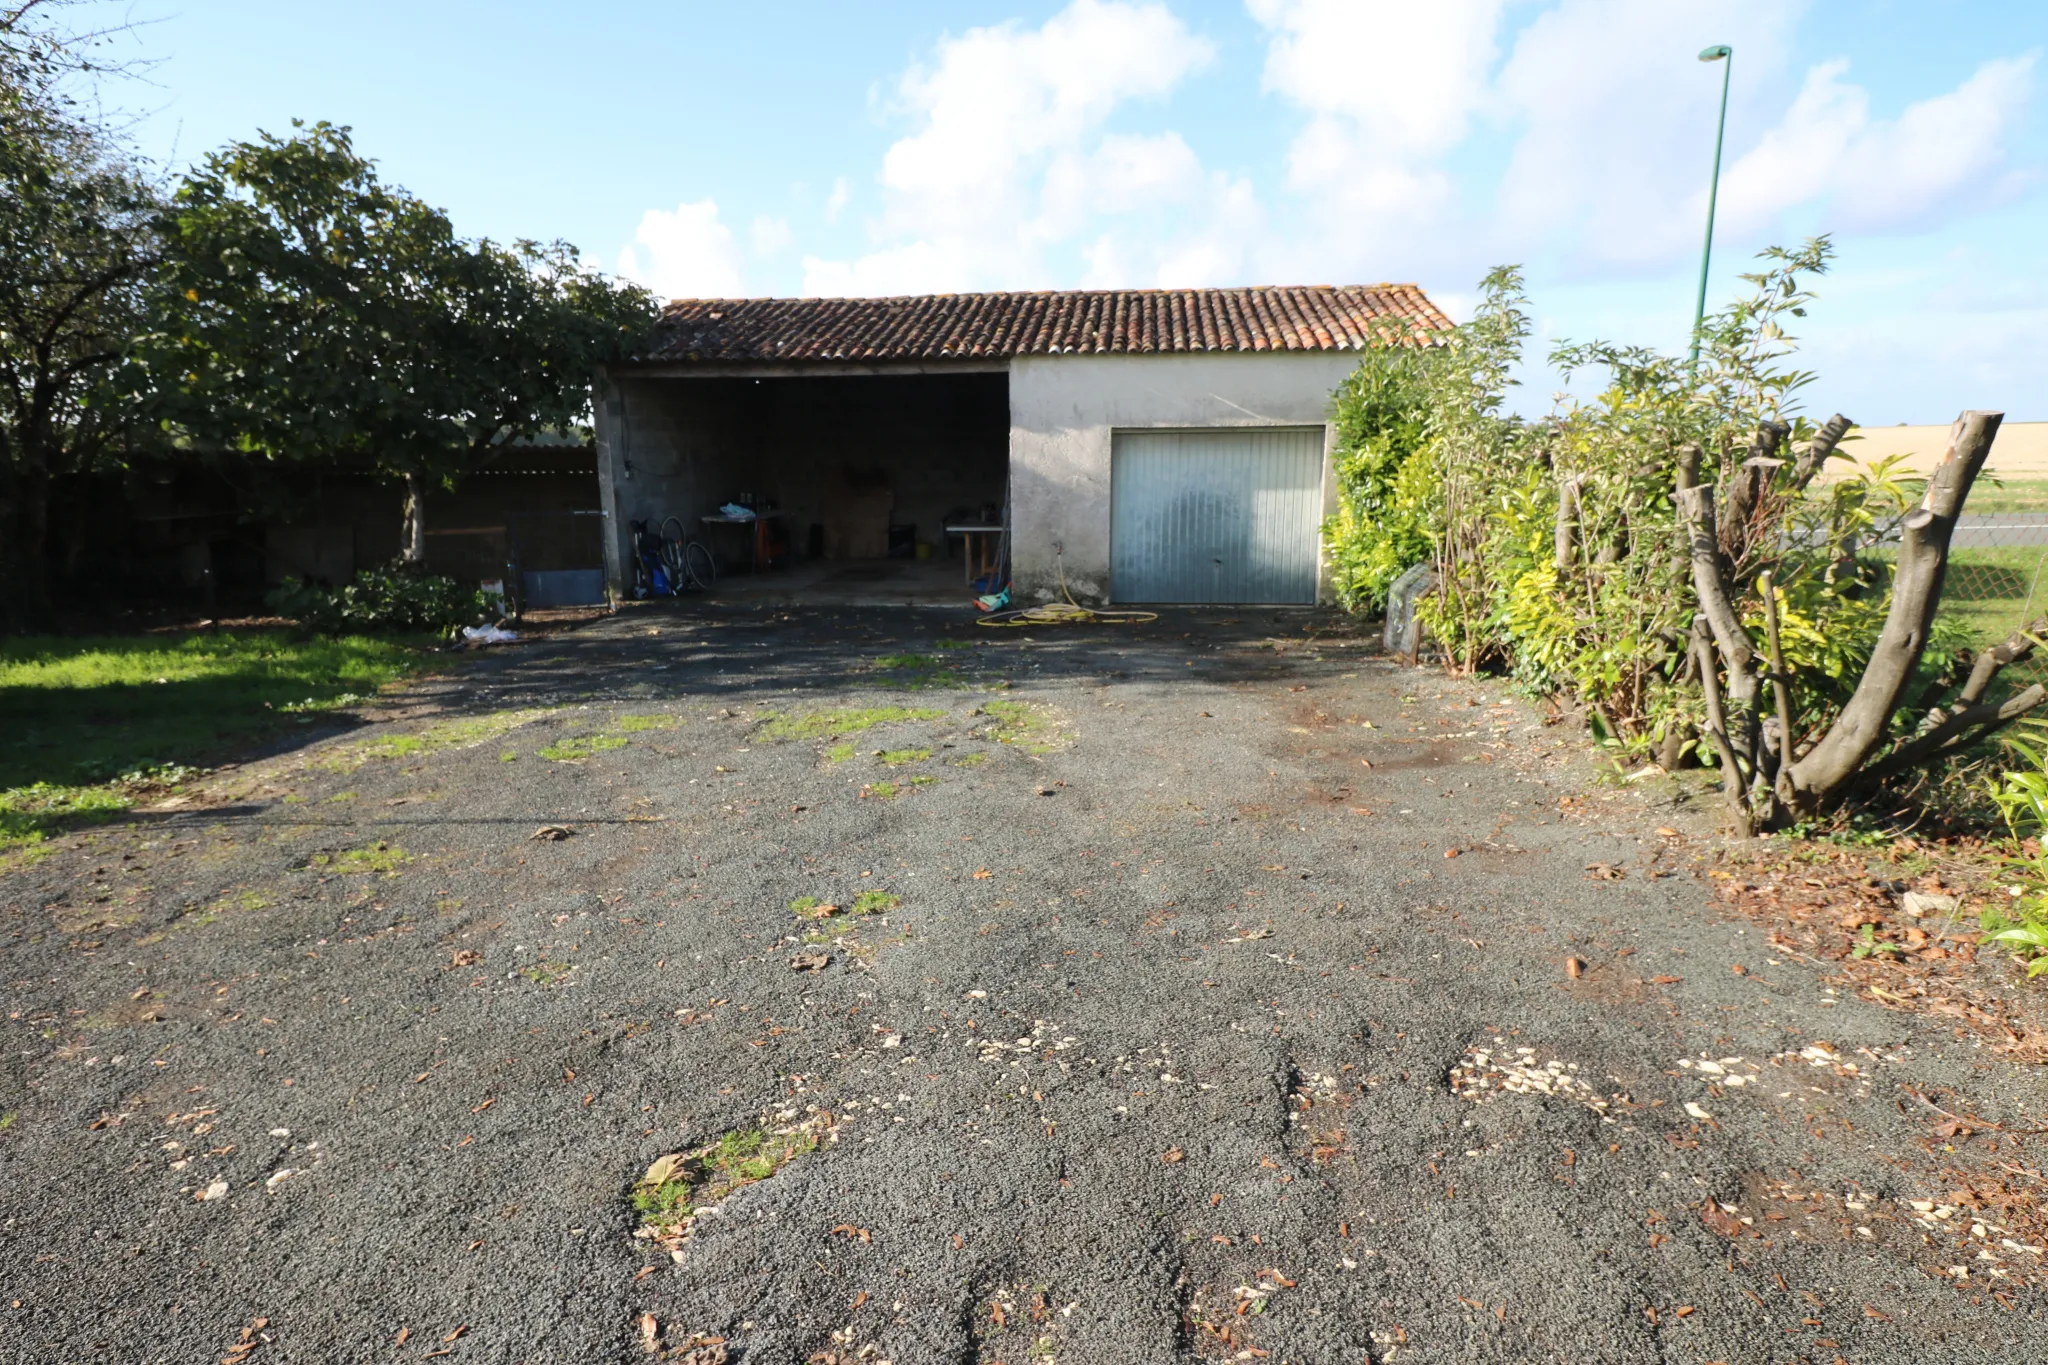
[[684, 253], [769, 236], [1008, 156], [1881, 175], [836, 201]]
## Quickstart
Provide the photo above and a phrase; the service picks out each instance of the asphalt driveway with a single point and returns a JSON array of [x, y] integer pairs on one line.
[[1194, 991]]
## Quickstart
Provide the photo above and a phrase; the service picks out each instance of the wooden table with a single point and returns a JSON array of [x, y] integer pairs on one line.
[[979, 546]]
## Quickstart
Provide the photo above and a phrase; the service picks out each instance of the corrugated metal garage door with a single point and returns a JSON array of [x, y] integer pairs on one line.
[[1215, 516]]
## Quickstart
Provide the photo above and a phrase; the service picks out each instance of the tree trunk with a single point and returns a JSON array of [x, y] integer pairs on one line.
[[1916, 593], [414, 547]]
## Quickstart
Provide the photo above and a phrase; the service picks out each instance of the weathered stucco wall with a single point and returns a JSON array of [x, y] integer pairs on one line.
[[1063, 410]]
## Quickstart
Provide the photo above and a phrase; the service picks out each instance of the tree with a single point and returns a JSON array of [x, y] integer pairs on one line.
[[1632, 550], [309, 311], [76, 242]]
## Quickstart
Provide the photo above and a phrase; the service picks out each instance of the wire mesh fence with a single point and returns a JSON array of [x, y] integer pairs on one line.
[[1998, 569]]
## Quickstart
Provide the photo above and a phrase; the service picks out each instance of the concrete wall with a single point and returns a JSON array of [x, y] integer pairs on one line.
[[682, 445], [1063, 410]]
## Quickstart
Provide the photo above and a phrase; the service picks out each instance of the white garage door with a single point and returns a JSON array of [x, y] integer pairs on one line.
[[1215, 516]]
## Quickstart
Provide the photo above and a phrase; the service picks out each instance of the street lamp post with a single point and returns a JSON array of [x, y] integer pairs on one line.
[[1726, 55]]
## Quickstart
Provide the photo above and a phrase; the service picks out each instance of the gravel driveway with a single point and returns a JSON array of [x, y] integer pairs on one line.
[[1197, 991]]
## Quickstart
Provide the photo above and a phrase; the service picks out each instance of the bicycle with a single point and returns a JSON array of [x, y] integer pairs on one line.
[[688, 563]]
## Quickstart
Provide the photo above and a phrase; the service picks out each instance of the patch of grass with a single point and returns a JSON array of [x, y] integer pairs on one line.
[[2009, 495], [676, 1186], [956, 644], [896, 758], [840, 722], [576, 748], [875, 902], [31, 814], [839, 753], [916, 672], [508, 756], [546, 973], [465, 733], [380, 858], [86, 710], [239, 902], [810, 907], [969, 760], [883, 790], [1027, 725]]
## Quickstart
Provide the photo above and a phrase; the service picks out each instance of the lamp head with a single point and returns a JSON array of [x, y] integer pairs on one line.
[[1716, 52]]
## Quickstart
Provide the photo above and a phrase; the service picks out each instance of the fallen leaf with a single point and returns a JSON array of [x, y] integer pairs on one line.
[[1450, 853], [644, 1272], [809, 962], [1172, 1155], [551, 833], [982, 874], [454, 1334], [465, 957], [650, 1333], [849, 1231], [1574, 968], [404, 1335], [1667, 832], [1665, 980]]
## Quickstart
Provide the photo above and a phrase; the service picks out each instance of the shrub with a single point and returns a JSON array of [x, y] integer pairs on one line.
[[391, 598]]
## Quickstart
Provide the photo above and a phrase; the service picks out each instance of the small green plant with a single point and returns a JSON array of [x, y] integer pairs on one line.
[[955, 644], [969, 760], [1026, 725], [390, 598], [466, 733], [2021, 793], [677, 1185], [1868, 944], [875, 902], [896, 758], [378, 858], [884, 790], [810, 907], [839, 753], [577, 748], [840, 722], [546, 973]]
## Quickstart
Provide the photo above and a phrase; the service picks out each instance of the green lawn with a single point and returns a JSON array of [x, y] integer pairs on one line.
[[83, 721], [2017, 495], [1996, 590]]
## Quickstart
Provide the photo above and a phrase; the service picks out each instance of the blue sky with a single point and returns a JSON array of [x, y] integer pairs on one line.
[[921, 147]]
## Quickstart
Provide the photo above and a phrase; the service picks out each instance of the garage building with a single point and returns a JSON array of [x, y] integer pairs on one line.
[[1139, 445]]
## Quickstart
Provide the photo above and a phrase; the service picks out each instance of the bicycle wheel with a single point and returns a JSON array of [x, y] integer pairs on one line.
[[698, 567]]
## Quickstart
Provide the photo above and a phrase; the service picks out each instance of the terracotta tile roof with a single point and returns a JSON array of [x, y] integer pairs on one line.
[[1065, 322]]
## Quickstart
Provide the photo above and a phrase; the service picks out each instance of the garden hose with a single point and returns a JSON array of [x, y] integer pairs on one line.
[[1068, 612]]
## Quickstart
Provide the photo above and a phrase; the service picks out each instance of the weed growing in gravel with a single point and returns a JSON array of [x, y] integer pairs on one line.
[[969, 760], [545, 973], [896, 758], [810, 907], [1027, 725], [917, 672], [840, 722], [466, 733], [576, 748], [839, 753], [883, 791], [29, 815], [676, 1186], [380, 857], [956, 644], [875, 902]]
